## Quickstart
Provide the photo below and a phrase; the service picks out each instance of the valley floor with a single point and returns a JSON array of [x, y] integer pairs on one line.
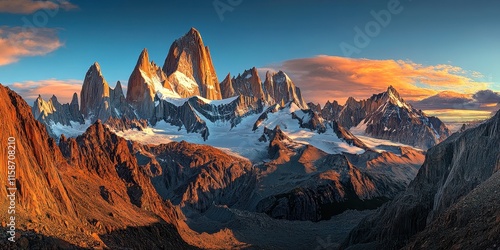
[[259, 231]]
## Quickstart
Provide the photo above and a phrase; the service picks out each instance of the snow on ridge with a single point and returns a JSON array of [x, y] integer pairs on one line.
[[157, 85], [185, 81], [76, 129], [218, 102], [327, 142], [178, 101]]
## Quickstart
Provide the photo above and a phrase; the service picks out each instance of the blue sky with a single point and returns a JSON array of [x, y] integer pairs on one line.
[[265, 34]]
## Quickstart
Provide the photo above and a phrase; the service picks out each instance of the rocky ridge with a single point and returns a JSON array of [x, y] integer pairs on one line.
[[454, 172], [69, 203]]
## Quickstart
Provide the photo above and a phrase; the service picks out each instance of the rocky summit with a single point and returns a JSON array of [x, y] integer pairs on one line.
[[388, 116], [191, 59]]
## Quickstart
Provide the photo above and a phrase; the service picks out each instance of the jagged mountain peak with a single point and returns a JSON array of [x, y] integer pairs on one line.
[[95, 69], [253, 72], [226, 87], [280, 87], [190, 57], [119, 87], [94, 90], [351, 101], [95, 72], [192, 33], [74, 100], [393, 97], [143, 60], [54, 98]]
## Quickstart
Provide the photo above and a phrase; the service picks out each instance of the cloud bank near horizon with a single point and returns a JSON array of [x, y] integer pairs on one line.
[[324, 78]]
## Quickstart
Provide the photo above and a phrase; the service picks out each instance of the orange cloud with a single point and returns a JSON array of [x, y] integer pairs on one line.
[[63, 89], [30, 6], [325, 78], [16, 43]]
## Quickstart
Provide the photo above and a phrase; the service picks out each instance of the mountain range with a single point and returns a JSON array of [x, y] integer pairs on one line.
[[184, 161]]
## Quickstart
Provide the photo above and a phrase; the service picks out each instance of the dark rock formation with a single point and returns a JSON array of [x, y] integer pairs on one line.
[[198, 176], [452, 170], [388, 116], [280, 88], [316, 108], [331, 111], [347, 136]]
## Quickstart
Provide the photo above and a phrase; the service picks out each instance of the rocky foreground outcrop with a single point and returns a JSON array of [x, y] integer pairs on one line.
[[458, 176], [93, 195]]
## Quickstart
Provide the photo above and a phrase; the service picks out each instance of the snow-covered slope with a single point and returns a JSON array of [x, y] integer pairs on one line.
[[242, 139], [387, 116]]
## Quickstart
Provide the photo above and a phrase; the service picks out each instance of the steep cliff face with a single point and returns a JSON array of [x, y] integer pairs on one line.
[[248, 84], [88, 203], [226, 87], [95, 94], [99, 101], [471, 223], [36, 158], [451, 171], [189, 56], [281, 89], [145, 81]]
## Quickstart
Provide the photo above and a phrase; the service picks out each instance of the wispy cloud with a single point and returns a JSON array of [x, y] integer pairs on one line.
[[63, 89], [31, 6], [16, 43], [325, 78]]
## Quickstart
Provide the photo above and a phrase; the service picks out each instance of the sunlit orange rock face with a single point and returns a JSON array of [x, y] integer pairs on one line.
[[37, 157], [86, 197], [189, 56], [141, 85]]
